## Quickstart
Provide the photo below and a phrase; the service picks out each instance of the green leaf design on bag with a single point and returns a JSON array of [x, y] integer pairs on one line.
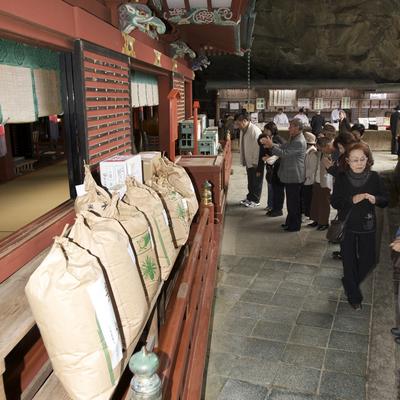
[[180, 211], [149, 268], [144, 241]]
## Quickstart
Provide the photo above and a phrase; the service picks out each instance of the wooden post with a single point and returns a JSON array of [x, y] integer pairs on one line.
[[196, 106], [173, 98]]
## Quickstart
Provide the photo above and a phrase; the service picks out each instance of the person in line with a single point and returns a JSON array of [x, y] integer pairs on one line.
[[335, 116], [322, 187], [344, 124], [249, 153], [262, 164], [358, 131], [335, 164], [275, 187], [291, 171], [281, 118], [395, 129], [310, 168], [328, 131], [356, 192], [301, 115], [317, 123]]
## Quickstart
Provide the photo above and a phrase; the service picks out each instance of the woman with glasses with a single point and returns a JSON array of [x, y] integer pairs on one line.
[[356, 192]]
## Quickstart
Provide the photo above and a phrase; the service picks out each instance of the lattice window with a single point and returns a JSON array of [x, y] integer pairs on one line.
[[107, 100], [179, 83]]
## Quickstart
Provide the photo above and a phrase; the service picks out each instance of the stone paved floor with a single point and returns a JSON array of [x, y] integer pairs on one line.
[[282, 329]]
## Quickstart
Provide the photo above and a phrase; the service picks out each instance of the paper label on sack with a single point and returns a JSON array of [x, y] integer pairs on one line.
[[101, 302], [151, 237], [80, 190], [131, 253], [185, 204], [164, 213]]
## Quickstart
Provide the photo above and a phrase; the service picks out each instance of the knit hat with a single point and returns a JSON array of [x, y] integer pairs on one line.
[[310, 138]]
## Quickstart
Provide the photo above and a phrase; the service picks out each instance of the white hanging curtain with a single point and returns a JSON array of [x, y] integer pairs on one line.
[[144, 90], [47, 88], [16, 94]]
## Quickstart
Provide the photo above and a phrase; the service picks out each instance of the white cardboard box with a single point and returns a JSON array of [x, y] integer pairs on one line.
[[149, 161], [115, 170]]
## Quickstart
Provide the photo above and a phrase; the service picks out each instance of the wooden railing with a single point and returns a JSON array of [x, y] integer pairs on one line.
[[183, 338]]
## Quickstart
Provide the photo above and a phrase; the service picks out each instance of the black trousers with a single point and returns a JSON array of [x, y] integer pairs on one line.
[[254, 185], [359, 258], [306, 197], [394, 146], [293, 204], [278, 189]]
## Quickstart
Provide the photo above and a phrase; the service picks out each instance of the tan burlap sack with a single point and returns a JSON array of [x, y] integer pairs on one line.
[[138, 229], [106, 239], [71, 304], [176, 207], [95, 199], [178, 178], [149, 203]]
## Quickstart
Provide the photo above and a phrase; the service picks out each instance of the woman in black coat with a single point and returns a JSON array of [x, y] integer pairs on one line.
[[356, 192]]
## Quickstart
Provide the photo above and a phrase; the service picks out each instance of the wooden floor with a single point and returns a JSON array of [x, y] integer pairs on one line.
[[29, 196]]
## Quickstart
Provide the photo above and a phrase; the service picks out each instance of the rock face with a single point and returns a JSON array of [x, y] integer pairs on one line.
[[325, 39]]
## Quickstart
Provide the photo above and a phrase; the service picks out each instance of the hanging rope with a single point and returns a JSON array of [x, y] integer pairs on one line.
[[248, 77]]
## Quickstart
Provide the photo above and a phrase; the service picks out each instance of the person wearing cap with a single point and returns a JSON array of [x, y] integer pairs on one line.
[[302, 117], [291, 171], [395, 129], [310, 167]]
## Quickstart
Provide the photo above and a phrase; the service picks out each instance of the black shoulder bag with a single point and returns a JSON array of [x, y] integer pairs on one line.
[[335, 232]]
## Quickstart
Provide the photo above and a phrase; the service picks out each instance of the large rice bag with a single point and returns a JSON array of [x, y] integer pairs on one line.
[[139, 230], [176, 207], [106, 239], [71, 304], [95, 199], [147, 201], [180, 180]]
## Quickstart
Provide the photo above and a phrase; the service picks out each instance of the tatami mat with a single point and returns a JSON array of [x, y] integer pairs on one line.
[[30, 196]]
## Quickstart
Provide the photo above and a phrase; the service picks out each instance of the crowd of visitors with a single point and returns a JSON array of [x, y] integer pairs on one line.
[[317, 170]]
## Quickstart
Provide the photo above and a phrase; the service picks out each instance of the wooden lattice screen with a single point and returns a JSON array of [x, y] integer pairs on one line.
[[107, 104], [179, 83]]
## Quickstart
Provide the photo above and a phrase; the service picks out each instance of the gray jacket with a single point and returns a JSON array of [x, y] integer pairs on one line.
[[249, 148], [292, 155]]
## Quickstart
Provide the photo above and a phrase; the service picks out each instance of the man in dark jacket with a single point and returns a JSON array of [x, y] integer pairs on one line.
[[317, 122], [395, 129]]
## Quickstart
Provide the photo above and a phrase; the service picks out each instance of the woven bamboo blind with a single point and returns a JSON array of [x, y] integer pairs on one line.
[[107, 98]]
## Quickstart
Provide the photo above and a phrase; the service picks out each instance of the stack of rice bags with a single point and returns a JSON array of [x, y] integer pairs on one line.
[[91, 294]]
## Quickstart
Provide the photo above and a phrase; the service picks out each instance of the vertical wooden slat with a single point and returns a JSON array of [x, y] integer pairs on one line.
[[107, 104]]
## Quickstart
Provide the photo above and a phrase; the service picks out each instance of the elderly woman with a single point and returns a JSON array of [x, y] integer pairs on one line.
[[356, 192]]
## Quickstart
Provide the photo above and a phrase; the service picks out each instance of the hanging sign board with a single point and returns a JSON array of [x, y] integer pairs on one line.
[[345, 102], [318, 103], [378, 96], [260, 103], [303, 103]]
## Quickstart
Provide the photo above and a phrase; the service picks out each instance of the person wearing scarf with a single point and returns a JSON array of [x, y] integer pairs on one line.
[[356, 192]]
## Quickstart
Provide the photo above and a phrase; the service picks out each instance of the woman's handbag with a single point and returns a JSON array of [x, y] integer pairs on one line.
[[335, 232]]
